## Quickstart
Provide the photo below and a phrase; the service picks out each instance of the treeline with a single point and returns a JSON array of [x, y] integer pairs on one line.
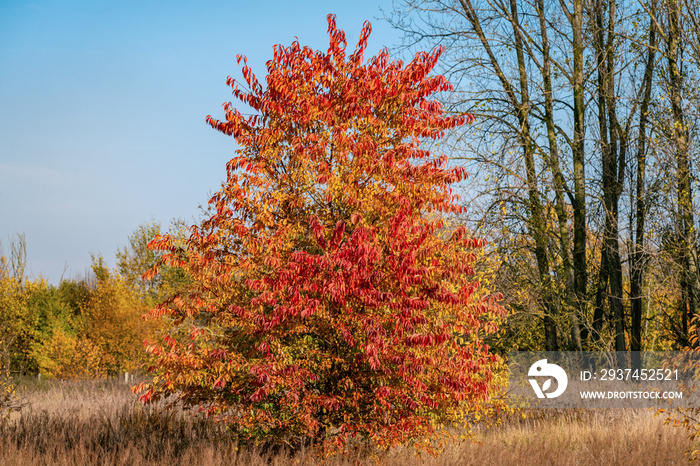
[[584, 157], [82, 327], [585, 161]]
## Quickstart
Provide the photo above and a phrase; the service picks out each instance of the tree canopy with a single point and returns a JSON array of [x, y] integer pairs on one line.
[[332, 293]]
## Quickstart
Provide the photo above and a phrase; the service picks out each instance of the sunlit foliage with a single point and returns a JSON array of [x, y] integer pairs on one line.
[[331, 299]]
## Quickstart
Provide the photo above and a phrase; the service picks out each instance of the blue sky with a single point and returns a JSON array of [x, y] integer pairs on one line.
[[103, 106]]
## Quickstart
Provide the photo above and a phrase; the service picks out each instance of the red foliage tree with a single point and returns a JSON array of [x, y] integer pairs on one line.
[[331, 299]]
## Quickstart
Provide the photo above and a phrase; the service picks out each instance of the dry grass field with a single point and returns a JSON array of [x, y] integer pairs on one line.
[[99, 422]]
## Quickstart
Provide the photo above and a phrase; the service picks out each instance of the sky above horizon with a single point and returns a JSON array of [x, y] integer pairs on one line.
[[103, 107]]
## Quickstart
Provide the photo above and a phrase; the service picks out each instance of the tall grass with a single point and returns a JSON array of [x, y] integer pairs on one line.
[[100, 422]]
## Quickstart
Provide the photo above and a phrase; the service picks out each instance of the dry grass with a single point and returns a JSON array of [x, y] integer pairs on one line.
[[595, 437], [99, 422]]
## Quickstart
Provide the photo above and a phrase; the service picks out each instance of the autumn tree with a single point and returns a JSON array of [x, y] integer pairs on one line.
[[112, 323], [331, 295], [90, 327], [134, 259]]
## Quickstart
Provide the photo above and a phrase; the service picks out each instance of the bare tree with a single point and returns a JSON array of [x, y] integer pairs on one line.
[[18, 257], [563, 93]]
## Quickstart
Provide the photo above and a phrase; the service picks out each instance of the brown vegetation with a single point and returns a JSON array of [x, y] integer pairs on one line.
[[100, 422]]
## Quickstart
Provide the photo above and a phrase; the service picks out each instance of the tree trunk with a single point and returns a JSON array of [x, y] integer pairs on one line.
[[637, 257], [688, 251], [578, 149]]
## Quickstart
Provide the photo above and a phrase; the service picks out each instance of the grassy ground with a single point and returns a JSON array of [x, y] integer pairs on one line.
[[99, 422]]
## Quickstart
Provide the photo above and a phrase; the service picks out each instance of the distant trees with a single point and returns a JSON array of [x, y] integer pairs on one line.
[[15, 317], [89, 327], [135, 259]]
